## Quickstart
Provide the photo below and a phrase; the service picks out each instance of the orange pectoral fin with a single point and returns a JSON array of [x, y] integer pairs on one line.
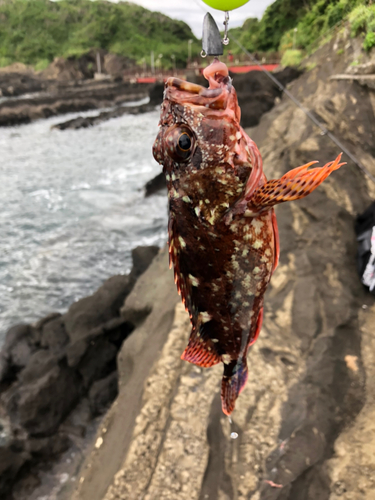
[[294, 185]]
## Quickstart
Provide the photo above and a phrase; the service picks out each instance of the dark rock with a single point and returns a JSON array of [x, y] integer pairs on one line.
[[98, 361], [257, 93], [54, 335], [156, 184], [40, 363], [102, 393], [156, 93], [90, 121], [39, 406], [57, 374], [16, 351], [11, 463], [61, 98], [48, 447], [88, 313], [142, 258]]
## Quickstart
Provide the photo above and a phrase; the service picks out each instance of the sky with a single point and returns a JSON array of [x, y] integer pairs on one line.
[[192, 11]]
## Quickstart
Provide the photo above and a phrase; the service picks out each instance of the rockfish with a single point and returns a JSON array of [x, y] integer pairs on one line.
[[223, 237]]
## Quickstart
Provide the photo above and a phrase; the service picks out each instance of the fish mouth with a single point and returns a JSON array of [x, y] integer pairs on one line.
[[193, 88], [218, 78]]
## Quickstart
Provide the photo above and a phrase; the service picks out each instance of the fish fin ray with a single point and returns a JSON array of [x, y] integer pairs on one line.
[[231, 387], [258, 327], [200, 352], [276, 240], [294, 185]]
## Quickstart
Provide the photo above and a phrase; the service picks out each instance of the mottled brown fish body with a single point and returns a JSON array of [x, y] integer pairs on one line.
[[223, 238]]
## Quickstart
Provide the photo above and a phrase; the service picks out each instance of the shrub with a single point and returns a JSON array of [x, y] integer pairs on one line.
[[292, 57]]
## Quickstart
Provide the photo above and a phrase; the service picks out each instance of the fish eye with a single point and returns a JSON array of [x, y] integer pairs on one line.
[[179, 143], [184, 142]]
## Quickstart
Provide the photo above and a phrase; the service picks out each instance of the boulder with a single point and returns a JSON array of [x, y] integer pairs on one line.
[[40, 405]]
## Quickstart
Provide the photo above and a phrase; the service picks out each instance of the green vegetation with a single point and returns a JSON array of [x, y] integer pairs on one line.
[[36, 31], [362, 22], [301, 25], [292, 57]]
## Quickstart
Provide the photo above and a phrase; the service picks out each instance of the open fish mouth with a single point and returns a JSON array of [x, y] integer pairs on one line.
[[219, 99], [193, 88]]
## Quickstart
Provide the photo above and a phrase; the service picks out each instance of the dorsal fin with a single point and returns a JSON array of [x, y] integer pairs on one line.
[[200, 351]]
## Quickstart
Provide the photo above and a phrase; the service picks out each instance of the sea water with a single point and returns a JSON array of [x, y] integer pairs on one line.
[[72, 207]]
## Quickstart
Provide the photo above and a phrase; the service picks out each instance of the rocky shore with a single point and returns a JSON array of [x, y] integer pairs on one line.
[[305, 419], [57, 375]]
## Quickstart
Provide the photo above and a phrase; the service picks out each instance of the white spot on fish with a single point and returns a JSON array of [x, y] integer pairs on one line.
[[182, 241], [257, 244], [205, 317], [256, 270], [257, 225], [194, 280], [226, 359], [186, 199]]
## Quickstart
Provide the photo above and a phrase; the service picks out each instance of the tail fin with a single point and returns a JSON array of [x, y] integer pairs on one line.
[[294, 185], [232, 386]]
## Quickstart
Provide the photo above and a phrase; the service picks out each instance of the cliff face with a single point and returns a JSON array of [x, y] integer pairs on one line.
[[305, 421]]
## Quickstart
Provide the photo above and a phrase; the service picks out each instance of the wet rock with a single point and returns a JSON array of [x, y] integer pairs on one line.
[[155, 185]]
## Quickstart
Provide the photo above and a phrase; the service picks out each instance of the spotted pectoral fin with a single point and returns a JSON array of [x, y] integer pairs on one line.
[[294, 185], [200, 351]]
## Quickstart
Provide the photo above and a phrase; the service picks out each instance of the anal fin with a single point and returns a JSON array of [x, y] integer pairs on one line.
[[294, 185], [200, 352]]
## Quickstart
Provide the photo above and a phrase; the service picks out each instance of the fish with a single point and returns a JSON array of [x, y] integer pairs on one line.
[[223, 235]]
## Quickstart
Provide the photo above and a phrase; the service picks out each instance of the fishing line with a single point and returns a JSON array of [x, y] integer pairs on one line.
[[323, 129]]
